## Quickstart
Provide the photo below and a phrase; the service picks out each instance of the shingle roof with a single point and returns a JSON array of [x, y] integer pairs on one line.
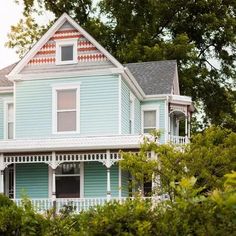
[[4, 81], [155, 77]]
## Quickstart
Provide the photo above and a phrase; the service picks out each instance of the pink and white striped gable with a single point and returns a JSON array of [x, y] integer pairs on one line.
[[86, 51]]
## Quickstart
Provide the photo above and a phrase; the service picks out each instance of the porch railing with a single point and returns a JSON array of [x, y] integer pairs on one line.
[[79, 204], [179, 139]]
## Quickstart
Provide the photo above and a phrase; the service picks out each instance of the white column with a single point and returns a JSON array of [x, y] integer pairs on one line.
[[120, 183], [186, 128], [2, 181], [2, 167], [189, 125], [108, 165], [53, 176], [169, 128]]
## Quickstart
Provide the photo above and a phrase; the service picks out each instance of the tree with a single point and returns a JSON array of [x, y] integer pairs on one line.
[[193, 32], [208, 157]]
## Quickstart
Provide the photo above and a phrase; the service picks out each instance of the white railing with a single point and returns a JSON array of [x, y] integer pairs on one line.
[[80, 204], [179, 139]]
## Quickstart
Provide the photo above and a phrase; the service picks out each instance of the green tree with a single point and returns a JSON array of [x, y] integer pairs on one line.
[[193, 32], [208, 157]]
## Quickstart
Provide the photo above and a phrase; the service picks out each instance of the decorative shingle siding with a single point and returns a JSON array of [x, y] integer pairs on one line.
[[32, 180], [162, 116], [87, 54], [95, 180], [2, 97], [99, 106]]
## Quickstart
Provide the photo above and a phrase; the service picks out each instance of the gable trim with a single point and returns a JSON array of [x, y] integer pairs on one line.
[[60, 21]]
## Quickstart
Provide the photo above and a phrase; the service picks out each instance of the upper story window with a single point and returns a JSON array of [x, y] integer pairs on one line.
[[66, 51], [150, 118], [66, 109], [9, 120]]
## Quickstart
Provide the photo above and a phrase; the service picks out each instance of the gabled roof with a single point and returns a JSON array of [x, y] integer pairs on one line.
[[4, 81], [155, 77], [33, 51]]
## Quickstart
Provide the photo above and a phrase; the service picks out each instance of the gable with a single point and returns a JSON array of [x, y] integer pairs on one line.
[[86, 51], [43, 56]]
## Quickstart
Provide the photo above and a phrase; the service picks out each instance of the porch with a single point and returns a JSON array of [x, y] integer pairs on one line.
[[81, 204]]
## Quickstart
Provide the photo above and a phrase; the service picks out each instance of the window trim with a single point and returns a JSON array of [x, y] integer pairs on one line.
[[131, 112], [66, 42], [5, 118], [150, 108], [55, 88]]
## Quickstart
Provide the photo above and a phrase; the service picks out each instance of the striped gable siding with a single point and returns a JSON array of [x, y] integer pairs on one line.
[[95, 180], [88, 56], [2, 97], [162, 116], [32, 180], [99, 106]]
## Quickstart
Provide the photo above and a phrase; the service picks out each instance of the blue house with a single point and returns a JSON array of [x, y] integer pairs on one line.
[[68, 107]]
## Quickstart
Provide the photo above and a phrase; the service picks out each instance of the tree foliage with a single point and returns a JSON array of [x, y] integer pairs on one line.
[[192, 32], [208, 157]]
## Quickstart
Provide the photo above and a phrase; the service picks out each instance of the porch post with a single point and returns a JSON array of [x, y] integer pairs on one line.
[[2, 167], [186, 127], [169, 128], [53, 176], [108, 165], [189, 125]]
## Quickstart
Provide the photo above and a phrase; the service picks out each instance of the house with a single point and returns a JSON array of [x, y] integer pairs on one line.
[[68, 107]]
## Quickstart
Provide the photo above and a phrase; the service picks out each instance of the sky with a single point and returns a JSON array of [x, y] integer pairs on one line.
[[10, 14]]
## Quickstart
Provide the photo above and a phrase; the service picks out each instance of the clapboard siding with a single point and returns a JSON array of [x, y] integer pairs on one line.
[[32, 180], [99, 106], [162, 116], [125, 184], [2, 98], [137, 116], [95, 180], [125, 106]]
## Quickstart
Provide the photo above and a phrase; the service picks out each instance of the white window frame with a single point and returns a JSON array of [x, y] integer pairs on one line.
[[62, 87], [6, 102], [150, 108], [66, 42], [131, 112]]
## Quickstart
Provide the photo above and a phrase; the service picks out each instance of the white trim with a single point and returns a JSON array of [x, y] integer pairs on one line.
[[120, 180], [14, 166], [72, 144], [55, 88], [150, 108], [120, 105], [131, 112], [6, 89], [7, 101], [66, 42], [51, 32], [85, 73], [81, 179], [14, 106], [49, 181], [166, 120]]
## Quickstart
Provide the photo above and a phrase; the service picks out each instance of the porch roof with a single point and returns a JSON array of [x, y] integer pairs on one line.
[[71, 144]]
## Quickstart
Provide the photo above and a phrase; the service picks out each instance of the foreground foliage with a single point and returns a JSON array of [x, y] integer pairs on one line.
[[201, 183]]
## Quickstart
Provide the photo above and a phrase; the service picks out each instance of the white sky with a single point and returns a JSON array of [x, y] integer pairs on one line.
[[10, 13]]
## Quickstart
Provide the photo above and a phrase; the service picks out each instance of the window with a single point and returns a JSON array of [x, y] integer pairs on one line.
[[66, 109], [149, 121], [9, 120], [66, 51], [68, 180]]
